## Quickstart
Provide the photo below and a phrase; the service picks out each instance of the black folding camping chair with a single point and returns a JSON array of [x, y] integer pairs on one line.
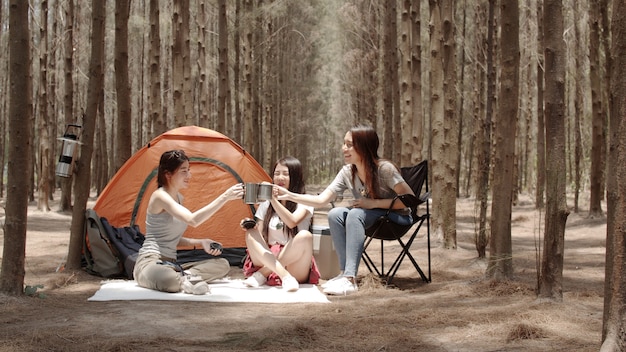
[[386, 230]]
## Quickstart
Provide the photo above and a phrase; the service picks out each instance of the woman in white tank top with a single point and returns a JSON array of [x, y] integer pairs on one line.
[[280, 246]]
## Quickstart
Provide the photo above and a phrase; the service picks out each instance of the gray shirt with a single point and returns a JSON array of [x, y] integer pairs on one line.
[[388, 177], [163, 232]]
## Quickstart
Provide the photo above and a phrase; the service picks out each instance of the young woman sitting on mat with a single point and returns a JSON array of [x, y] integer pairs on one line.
[[166, 221], [280, 246]]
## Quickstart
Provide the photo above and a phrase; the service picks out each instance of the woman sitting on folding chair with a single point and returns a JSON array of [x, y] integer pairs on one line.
[[374, 182]]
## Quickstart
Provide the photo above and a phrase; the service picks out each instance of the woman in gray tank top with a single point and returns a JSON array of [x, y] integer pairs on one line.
[[166, 221]]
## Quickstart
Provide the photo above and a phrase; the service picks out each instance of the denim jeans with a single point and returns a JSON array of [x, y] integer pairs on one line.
[[347, 230]]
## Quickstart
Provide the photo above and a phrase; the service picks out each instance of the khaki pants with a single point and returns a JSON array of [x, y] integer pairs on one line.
[[149, 274]]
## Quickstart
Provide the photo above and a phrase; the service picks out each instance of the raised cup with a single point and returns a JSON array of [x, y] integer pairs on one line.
[[264, 191], [250, 193]]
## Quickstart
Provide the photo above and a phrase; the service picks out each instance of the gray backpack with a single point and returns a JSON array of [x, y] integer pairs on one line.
[[99, 254]]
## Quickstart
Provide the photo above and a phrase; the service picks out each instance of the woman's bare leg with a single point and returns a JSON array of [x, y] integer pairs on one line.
[[261, 255], [296, 255]]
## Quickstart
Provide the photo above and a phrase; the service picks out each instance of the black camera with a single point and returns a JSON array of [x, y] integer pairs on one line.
[[215, 245], [248, 223]]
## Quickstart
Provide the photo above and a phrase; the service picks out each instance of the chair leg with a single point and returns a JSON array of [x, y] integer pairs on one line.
[[428, 234], [396, 264], [369, 263], [382, 257], [388, 275], [406, 252]]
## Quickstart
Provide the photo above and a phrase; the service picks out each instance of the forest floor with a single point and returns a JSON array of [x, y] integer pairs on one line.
[[457, 311]]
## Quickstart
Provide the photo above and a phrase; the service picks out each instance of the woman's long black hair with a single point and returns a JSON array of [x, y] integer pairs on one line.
[[296, 185], [170, 161], [365, 142]]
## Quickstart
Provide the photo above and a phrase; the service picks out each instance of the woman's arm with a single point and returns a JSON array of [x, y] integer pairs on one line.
[[384, 203], [205, 243], [290, 219], [311, 200], [167, 203], [402, 188]]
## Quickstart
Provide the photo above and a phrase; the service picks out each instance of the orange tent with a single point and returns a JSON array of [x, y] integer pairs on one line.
[[216, 163]]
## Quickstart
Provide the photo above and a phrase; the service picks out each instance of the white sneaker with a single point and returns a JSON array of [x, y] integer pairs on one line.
[[330, 281], [199, 288], [255, 280], [342, 286], [290, 284], [194, 279]]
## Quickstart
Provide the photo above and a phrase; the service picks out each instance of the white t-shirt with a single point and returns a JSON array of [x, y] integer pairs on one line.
[[276, 230]]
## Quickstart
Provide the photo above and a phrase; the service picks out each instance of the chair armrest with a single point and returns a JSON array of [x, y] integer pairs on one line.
[[424, 198], [409, 200]]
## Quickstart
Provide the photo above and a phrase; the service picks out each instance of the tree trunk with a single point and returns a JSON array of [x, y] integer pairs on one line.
[[68, 98], [500, 266], [249, 101], [187, 87], [406, 82], [613, 336], [178, 65], [396, 148], [45, 154], [597, 117], [450, 125], [368, 94], [541, 129], [19, 155], [123, 144], [4, 106], [157, 118], [236, 130], [444, 123], [4, 84], [224, 82], [578, 105], [274, 89], [551, 276], [526, 114], [461, 106], [139, 48], [83, 164], [267, 90], [54, 104], [101, 154], [416, 138], [202, 90], [388, 42], [606, 86], [437, 112], [484, 134]]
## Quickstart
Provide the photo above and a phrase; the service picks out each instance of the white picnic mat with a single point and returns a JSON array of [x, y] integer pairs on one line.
[[228, 290]]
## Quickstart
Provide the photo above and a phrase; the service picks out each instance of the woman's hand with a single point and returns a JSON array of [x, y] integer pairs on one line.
[[211, 247], [234, 192], [364, 203], [281, 193]]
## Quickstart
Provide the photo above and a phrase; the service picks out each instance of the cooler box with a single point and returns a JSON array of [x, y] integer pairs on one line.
[[324, 252]]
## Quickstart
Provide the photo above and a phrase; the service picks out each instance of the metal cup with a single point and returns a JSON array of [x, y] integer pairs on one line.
[[250, 194], [265, 191]]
